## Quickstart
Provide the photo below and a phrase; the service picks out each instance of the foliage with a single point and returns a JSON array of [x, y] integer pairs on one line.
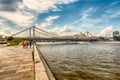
[[3, 42], [10, 38], [101, 38], [15, 41], [117, 38]]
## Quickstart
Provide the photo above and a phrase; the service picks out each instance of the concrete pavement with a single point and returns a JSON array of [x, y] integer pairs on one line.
[[15, 63]]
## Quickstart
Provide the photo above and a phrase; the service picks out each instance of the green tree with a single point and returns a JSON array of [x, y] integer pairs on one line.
[[117, 38], [10, 38]]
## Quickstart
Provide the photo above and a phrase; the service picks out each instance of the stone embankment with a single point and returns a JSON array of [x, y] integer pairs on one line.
[[16, 63]]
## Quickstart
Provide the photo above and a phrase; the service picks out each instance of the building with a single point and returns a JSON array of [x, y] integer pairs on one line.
[[116, 33]]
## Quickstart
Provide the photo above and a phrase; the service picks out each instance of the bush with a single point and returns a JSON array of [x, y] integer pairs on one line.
[[15, 41], [3, 42], [117, 38], [10, 38]]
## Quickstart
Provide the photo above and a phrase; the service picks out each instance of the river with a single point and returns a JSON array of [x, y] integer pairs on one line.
[[94, 61]]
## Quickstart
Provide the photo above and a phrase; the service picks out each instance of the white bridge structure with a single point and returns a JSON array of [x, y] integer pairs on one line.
[[38, 34]]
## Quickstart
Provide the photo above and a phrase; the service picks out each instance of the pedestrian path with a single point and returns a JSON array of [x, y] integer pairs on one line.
[[16, 63]]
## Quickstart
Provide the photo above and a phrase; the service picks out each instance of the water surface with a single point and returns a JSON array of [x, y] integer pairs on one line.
[[84, 61]]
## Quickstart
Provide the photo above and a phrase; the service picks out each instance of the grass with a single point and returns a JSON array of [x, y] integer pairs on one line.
[[14, 41], [3, 42]]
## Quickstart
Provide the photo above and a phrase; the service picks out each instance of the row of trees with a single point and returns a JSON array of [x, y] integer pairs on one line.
[[14, 41], [117, 38]]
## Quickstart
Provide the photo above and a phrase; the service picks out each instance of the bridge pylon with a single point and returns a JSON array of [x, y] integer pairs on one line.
[[30, 33], [33, 31]]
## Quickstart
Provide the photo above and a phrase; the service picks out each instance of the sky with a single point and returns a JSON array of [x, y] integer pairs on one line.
[[65, 17]]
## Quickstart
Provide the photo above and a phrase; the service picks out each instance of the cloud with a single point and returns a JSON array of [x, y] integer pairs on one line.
[[65, 1], [17, 12], [66, 30], [105, 32], [86, 21], [43, 6], [9, 5], [18, 18], [110, 14], [48, 21], [7, 31], [113, 4], [40, 6], [51, 18], [24, 12], [1, 22]]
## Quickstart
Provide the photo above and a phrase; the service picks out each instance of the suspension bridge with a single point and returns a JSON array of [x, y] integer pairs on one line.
[[38, 34]]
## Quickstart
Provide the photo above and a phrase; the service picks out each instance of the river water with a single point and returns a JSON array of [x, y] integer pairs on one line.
[[95, 61]]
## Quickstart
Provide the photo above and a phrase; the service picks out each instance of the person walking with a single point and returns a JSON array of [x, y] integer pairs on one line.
[[30, 43], [23, 44]]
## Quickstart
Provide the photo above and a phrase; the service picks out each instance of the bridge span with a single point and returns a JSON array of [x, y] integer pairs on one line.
[[39, 39], [38, 34]]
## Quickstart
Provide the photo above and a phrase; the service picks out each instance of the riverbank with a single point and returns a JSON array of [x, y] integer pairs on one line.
[[76, 42], [61, 43], [112, 42]]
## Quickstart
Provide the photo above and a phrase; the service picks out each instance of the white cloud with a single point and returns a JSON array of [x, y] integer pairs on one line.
[[113, 4], [86, 21], [28, 10], [105, 32], [17, 17], [24, 18], [40, 5], [66, 30], [64, 1], [1, 22], [7, 31], [43, 6], [9, 5], [110, 14], [51, 18], [48, 21], [63, 31]]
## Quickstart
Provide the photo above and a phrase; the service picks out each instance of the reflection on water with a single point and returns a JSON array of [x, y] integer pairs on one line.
[[84, 61]]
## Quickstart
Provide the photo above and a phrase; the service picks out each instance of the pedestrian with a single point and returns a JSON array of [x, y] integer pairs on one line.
[[23, 44], [29, 43], [26, 44]]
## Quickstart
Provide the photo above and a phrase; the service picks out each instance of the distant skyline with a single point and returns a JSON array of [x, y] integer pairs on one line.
[[65, 17]]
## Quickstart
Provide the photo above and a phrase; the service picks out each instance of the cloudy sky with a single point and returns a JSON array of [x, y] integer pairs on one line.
[[60, 16]]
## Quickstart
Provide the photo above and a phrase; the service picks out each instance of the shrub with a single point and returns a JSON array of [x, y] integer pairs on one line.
[[10, 38]]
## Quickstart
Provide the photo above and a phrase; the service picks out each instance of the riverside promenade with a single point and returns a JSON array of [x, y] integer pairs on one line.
[[16, 64]]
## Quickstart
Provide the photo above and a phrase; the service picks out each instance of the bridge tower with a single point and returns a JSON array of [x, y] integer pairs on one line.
[[30, 32], [33, 31], [88, 34]]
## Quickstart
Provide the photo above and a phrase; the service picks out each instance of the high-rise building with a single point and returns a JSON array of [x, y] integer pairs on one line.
[[116, 33]]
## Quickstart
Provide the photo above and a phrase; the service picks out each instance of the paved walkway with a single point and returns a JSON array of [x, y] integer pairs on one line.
[[15, 63]]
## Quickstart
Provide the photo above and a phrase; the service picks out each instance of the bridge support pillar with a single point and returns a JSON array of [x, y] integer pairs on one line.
[[33, 31], [30, 32]]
